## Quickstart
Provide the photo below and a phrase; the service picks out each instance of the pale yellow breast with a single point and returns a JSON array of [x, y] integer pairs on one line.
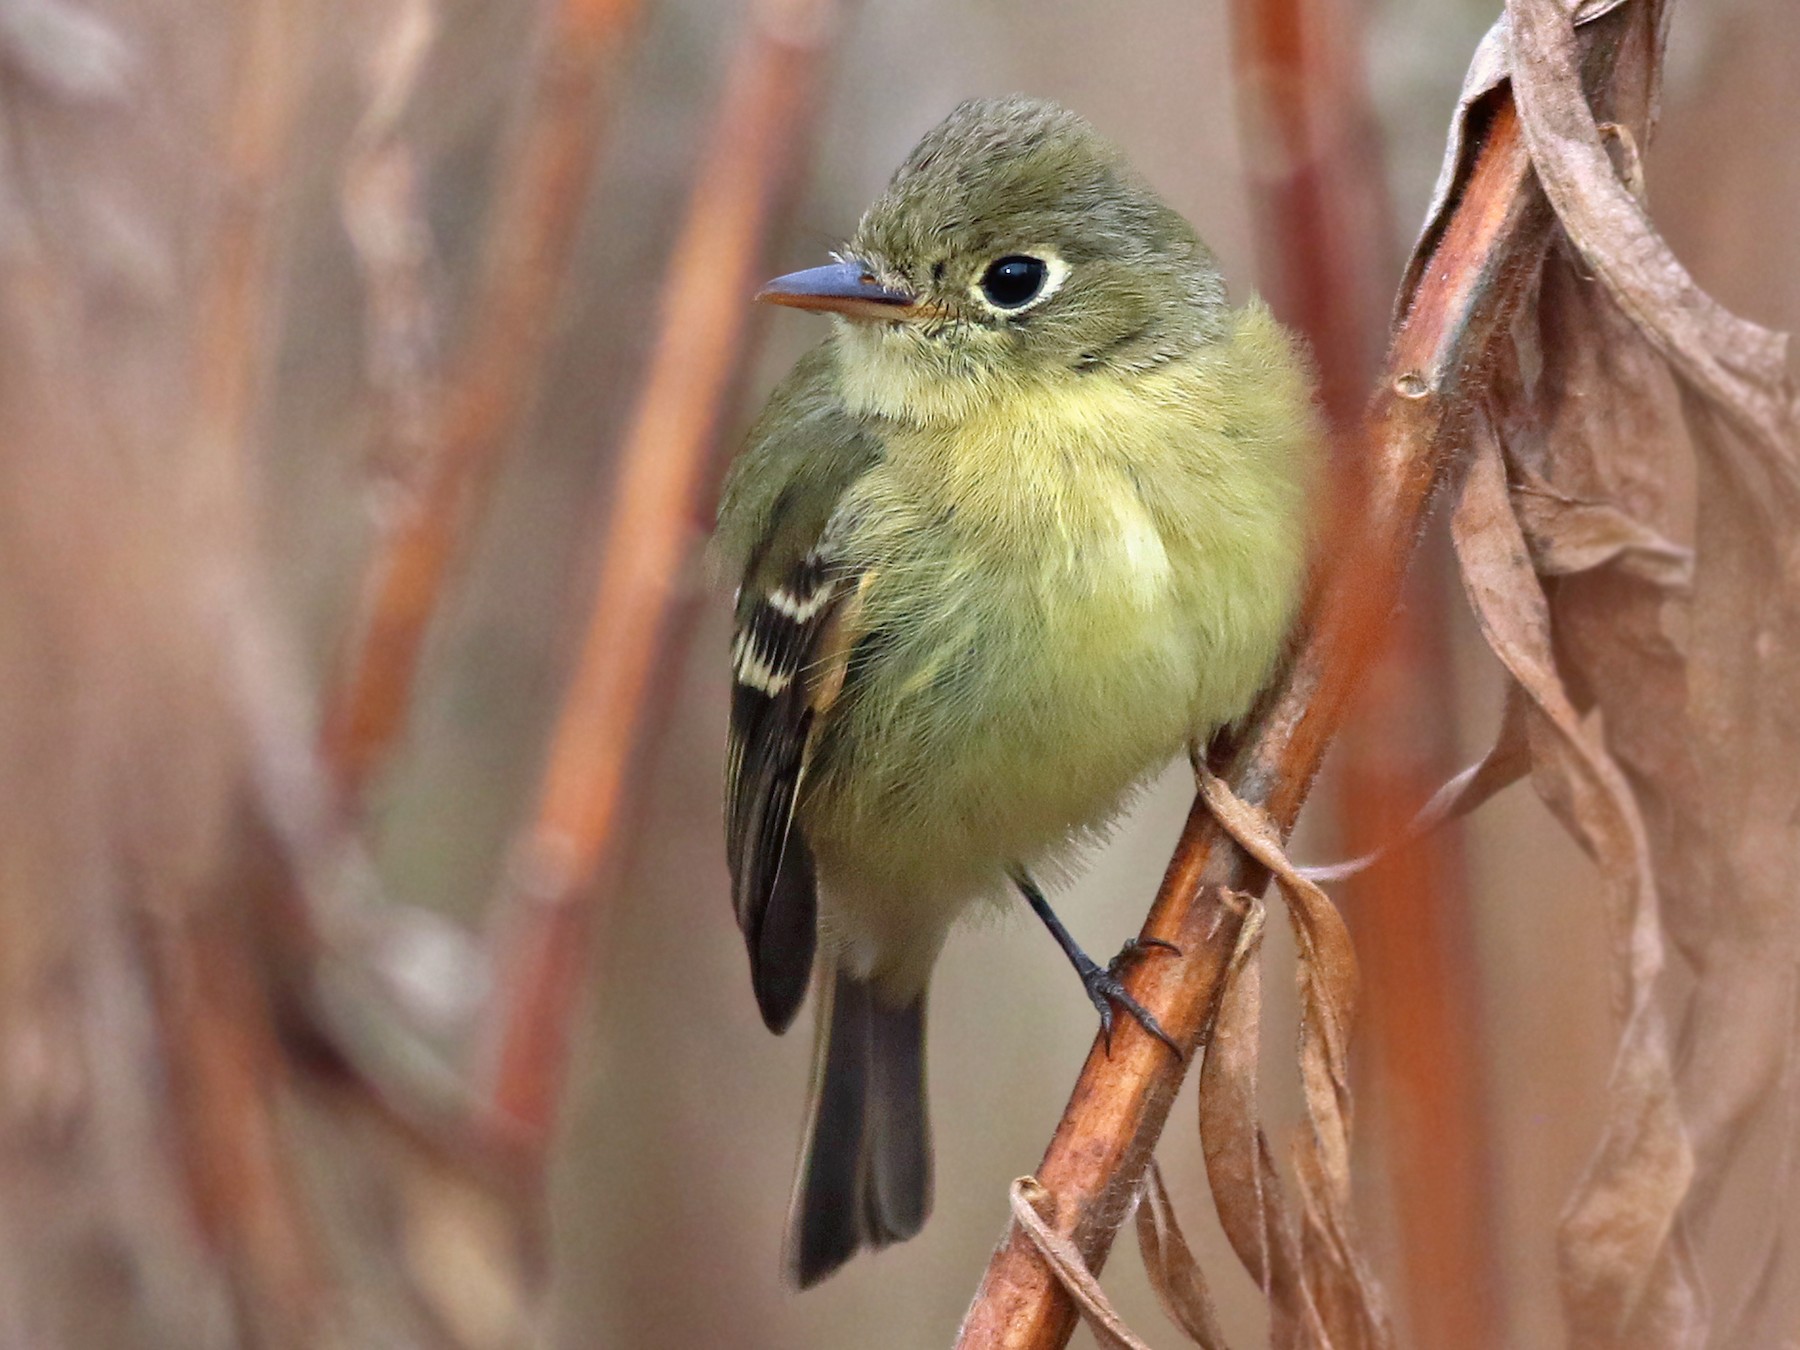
[[1069, 580]]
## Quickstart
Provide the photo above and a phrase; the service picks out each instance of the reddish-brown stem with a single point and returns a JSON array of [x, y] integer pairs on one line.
[[229, 314], [224, 1066], [1413, 926], [489, 384], [1326, 247], [225, 1072], [1324, 236], [1496, 232], [650, 536]]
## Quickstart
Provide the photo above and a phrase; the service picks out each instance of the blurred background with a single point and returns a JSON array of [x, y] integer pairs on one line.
[[160, 209]]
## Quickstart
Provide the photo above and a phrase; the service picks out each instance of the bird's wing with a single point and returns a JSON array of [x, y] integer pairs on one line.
[[782, 526], [790, 656]]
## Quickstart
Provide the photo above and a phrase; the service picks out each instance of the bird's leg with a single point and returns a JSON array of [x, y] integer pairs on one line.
[[1102, 983]]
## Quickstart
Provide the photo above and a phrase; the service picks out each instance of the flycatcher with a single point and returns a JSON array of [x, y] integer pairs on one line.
[[1029, 521]]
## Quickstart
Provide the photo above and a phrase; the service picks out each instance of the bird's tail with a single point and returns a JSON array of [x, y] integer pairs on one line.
[[865, 1170]]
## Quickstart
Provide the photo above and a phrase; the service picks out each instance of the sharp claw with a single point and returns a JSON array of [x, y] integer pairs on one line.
[[1147, 1020], [1151, 1025], [1105, 991], [1134, 946]]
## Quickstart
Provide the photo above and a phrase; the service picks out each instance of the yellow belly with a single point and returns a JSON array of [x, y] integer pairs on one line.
[[1063, 592]]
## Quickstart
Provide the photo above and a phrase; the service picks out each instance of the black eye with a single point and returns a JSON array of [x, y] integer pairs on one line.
[[1014, 282]]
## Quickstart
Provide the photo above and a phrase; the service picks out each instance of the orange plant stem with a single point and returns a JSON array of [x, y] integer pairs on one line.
[[225, 1076], [216, 1030], [536, 216], [650, 537], [1414, 932], [1325, 225], [1497, 231]]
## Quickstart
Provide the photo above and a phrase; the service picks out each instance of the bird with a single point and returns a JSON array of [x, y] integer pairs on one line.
[[1030, 521]]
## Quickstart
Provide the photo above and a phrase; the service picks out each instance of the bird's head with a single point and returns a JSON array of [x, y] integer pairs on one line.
[[1015, 246]]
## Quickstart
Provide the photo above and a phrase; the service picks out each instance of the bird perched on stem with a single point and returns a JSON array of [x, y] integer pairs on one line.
[[1031, 519]]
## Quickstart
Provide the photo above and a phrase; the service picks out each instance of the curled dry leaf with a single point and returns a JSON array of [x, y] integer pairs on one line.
[[1686, 687], [1027, 1195], [1240, 1167], [1602, 423], [1625, 1280], [1505, 763], [1568, 536], [1175, 1275], [1706, 723], [1487, 72], [1628, 398], [1342, 1290], [1738, 365], [1737, 896]]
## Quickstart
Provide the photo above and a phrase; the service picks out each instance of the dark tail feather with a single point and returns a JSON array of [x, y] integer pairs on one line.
[[898, 1172], [865, 1173], [825, 1223]]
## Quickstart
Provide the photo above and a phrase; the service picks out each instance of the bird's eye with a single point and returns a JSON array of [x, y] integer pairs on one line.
[[1014, 282]]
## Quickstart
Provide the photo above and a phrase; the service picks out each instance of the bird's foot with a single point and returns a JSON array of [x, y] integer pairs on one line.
[[1105, 988], [1103, 985]]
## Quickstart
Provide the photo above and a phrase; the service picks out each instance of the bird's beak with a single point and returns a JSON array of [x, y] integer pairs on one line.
[[844, 288]]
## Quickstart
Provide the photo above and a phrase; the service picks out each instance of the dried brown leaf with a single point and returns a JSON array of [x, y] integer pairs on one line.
[[1626, 1279], [1739, 365], [1027, 1195], [1506, 762], [1175, 1275], [1745, 643], [1689, 687], [1487, 72], [1341, 1287], [1602, 422], [1568, 536], [1240, 1167]]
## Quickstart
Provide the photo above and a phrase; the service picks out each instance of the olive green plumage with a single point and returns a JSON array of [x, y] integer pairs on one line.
[[1032, 518]]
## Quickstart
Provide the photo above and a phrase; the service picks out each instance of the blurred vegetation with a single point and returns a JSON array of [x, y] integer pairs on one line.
[[242, 1075]]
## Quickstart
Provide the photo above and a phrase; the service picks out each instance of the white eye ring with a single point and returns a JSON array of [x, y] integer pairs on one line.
[[1056, 271]]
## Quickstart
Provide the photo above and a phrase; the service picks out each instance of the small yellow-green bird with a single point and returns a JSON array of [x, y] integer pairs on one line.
[[1029, 521]]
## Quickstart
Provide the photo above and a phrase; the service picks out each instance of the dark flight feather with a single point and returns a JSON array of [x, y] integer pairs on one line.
[[783, 662]]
